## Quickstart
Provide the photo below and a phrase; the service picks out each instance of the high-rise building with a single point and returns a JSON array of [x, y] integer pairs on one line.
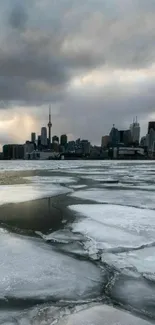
[[143, 142], [71, 146], [39, 141], [151, 139], [85, 145], [29, 147], [44, 136], [114, 136], [105, 141], [55, 139], [33, 137], [63, 140], [13, 151], [135, 131], [151, 125], [127, 139]]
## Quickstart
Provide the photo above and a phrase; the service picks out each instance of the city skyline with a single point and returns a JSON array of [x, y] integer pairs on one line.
[[93, 62], [45, 129], [118, 144]]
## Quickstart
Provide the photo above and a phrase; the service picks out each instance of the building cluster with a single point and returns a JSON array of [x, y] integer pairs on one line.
[[43, 147], [119, 144], [148, 141]]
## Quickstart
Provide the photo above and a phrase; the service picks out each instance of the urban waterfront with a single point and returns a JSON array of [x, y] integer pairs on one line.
[[77, 235], [119, 144]]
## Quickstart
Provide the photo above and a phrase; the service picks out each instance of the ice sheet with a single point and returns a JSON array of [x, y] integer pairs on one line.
[[32, 269], [136, 292], [27, 192], [51, 179], [112, 226], [102, 315], [78, 186], [137, 198], [141, 260], [61, 236]]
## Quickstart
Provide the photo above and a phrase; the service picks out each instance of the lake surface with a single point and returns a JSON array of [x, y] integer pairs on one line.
[[75, 234]]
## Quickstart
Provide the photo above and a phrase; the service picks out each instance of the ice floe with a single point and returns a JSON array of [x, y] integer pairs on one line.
[[31, 269], [114, 226], [142, 260], [29, 192], [102, 315], [51, 179], [133, 197]]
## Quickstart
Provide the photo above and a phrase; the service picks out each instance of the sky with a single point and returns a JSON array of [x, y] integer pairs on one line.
[[93, 60]]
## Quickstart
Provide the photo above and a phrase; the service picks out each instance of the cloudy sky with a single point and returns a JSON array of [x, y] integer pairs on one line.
[[93, 60]]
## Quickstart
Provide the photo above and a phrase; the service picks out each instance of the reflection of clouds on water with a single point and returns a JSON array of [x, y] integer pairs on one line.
[[29, 192]]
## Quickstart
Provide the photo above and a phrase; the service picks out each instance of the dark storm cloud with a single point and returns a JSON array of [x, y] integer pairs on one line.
[[57, 40], [18, 17], [47, 43]]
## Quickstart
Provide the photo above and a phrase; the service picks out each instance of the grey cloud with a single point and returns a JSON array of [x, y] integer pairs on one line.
[[95, 34], [18, 17], [95, 112], [45, 47]]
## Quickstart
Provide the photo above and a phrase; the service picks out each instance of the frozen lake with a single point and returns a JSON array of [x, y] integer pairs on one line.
[[75, 235]]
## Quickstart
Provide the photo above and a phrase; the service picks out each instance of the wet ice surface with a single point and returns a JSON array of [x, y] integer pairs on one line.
[[51, 179], [27, 192], [112, 226], [30, 269], [131, 197], [99, 244], [102, 315]]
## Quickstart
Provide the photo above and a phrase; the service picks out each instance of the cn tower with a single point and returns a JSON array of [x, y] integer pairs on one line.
[[49, 127]]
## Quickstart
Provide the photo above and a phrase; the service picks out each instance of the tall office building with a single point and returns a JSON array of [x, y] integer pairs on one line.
[[13, 151], [39, 141], [135, 131], [151, 139], [55, 139], [63, 140], [105, 141], [44, 136], [151, 125], [125, 137], [114, 136], [33, 137]]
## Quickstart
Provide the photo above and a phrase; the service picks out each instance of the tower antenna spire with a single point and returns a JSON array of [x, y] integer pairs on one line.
[[49, 127]]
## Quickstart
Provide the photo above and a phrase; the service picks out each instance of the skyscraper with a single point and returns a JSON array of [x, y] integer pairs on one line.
[[39, 141], [114, 137], [55, 139], [105, 141], [63, 140], [151, 125], [33, 137], [135, 131], [44, 136]]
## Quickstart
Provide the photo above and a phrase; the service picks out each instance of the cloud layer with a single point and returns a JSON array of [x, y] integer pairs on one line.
[[93, 60]]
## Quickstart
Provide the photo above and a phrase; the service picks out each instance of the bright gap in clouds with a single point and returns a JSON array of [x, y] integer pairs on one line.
[[106, 77]]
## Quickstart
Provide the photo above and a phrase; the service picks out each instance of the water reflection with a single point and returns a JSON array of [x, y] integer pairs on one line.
[[41, 215]]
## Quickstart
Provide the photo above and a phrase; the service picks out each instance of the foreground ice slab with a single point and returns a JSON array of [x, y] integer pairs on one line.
[[132, 197], [23, 193], [110, 226], [141, 260], [136, 292], [31, 269], [102, 315]]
